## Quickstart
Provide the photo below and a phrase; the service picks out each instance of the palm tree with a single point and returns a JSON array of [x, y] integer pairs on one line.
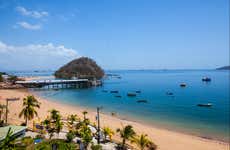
[[71, 119], [84, 113], [29, 105], [53, 123], [141, 141], [86, 135], [126, 133], [8, 142], [108, 132], [54, 115], [58, 126]]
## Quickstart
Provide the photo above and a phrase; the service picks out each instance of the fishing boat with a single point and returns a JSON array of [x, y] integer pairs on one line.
[[205, 105], [118, 96], [113, 91], [138, 91], [206, 79], [169, 93], [183, 85], [131, 94], [142, 101]]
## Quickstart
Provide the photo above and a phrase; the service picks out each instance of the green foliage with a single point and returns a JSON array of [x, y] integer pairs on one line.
[[9, 142], [26, 141], [143, 142], [84, 114], [107, 132], [126, 133], [96, 147], [71, 119], [1, 78], [53, 123], [29, 105], [86, 135], [12, 78], [70, 136], [61, 145]]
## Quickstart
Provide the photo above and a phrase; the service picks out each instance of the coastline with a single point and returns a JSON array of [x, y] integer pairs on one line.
[[164, 138]]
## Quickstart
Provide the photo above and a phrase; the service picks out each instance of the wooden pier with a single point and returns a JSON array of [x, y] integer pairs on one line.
[[56, 84]]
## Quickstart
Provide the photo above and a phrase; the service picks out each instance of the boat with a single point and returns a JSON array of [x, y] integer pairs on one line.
[[206, 79], [105, 91], [205, 105], [183, 85], [131, 94], [113, 91], [169, 93], [138, 91], [142, 101], [118, 96]]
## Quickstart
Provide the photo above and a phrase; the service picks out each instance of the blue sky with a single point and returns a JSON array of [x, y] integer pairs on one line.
[[118, 34]]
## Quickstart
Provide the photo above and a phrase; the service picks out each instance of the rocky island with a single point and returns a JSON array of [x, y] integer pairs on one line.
[[82, 67]]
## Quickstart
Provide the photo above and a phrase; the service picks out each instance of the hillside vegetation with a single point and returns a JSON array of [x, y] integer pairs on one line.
[[82, 67]]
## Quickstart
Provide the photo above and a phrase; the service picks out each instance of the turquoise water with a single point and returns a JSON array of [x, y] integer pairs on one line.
[[178, 112]]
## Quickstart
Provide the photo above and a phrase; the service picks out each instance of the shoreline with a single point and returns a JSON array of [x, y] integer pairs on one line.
[[132, 119], [161, 136]]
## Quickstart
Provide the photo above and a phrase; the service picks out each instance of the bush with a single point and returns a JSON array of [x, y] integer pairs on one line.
[[70, 136], [96, 147], [27, 141], [1, 78], [60, 144]]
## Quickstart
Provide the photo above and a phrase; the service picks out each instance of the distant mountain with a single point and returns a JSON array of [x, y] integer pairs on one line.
[[83, 67], [224, 68]]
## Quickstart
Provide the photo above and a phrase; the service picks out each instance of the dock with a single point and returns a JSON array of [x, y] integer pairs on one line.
[[56, 84]]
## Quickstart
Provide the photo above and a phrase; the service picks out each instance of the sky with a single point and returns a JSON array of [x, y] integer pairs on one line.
[[117, 34]]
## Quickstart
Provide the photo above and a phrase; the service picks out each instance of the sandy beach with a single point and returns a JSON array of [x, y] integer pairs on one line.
[[165, 139]]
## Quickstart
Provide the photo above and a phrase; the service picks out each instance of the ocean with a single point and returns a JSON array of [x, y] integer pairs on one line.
[[178, 111]]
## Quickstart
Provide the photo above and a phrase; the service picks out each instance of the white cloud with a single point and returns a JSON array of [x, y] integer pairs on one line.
[[35, 56], [29, 26], [35, 14]]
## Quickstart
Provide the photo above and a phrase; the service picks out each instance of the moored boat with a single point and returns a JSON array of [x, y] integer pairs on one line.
[[118, 96], [183, 85], [113, 91], [131, 94], [169, 93], [142, 101], [206, 79], [205, 105]]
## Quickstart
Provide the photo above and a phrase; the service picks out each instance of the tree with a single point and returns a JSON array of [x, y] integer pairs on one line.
[[13, 79], [1, 78], [53, 123], [70, 136], [71, 119], [29, 105], [142, 141], [9, 142], [108, 132], [84, 113], [86, 135], [126, 133]]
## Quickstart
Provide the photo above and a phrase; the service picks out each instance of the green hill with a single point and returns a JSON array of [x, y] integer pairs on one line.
[[83, 67]]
